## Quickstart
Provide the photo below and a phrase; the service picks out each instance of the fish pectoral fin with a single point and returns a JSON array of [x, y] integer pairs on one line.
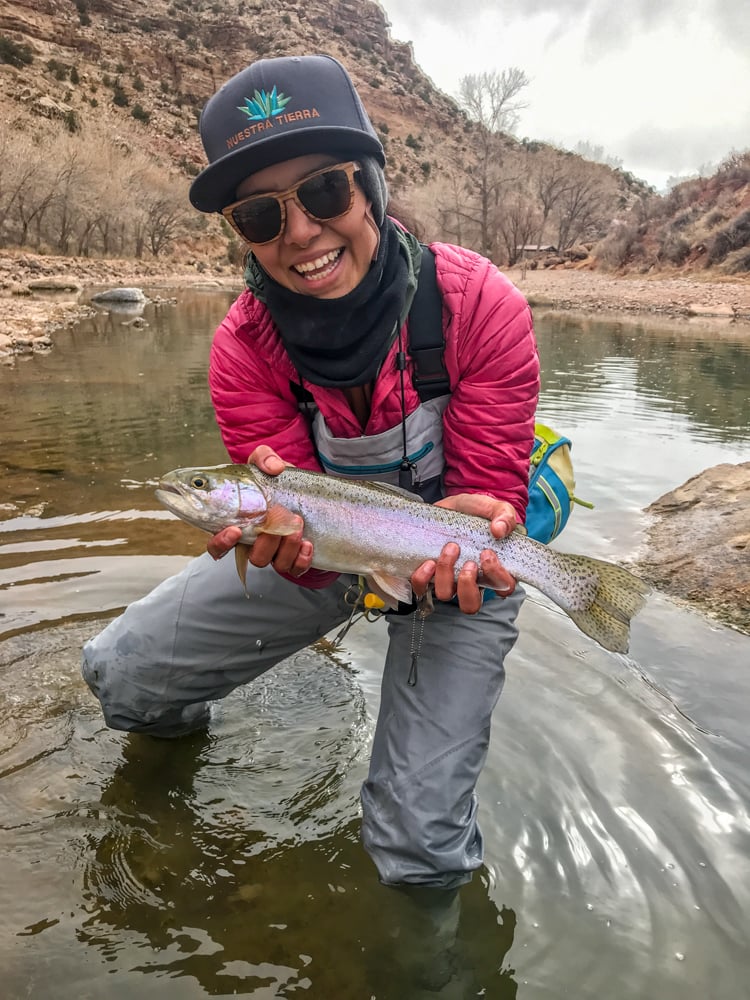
[[280, 521], [391, 588], [241, 559]]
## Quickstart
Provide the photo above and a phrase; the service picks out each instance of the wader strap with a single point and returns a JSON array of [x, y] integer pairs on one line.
[[426, 343]]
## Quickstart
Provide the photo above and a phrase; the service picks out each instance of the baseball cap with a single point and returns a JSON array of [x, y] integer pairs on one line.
[[274, 110]]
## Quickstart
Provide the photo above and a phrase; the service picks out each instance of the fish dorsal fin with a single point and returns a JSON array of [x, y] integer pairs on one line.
[[391, 588], [398, 490]]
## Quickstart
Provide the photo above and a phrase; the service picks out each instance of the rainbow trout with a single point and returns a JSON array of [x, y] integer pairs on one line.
[[383, 533]]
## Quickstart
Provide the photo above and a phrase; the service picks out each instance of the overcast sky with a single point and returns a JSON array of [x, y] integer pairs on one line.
[[664, 85]]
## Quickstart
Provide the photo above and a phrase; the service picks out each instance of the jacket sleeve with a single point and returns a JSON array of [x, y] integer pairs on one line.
[[251, 397], [488, 426], [254, 405]]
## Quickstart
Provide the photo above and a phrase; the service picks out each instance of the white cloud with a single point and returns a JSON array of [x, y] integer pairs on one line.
[[663, 86]]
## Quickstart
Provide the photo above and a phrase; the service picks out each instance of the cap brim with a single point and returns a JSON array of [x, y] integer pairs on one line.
[[214, 188]]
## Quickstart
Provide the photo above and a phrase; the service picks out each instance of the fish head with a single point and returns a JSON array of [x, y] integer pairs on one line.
[[216, 497]]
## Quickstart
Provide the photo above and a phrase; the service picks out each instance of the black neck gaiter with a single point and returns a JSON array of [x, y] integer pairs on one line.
[[342, 342]]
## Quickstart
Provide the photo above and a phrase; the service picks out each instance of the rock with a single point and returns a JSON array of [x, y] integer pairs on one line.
[[59, 284], [698, 545], [6, 342], [120, 295], [724, 311]]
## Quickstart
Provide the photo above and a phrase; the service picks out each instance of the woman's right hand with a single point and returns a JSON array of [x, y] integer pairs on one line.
[[290, 554]]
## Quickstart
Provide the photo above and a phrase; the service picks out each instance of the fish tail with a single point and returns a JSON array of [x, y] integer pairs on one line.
[[619, 595]]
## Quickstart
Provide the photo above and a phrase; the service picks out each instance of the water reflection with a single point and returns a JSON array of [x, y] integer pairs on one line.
[[596, 365], [187, 881], [615, 798]]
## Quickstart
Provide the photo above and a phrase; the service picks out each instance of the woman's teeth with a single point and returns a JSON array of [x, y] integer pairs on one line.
[[314, 270]]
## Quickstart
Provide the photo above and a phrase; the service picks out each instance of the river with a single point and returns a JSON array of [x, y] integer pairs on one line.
[[614, 803]]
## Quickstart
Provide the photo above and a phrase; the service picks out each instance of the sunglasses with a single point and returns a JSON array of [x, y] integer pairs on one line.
[[323, 196]]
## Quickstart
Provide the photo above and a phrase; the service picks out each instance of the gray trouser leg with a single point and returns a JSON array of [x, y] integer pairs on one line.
[[196, 637], [419, 804]]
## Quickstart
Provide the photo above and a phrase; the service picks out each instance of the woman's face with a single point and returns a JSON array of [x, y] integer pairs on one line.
[[324, 259]]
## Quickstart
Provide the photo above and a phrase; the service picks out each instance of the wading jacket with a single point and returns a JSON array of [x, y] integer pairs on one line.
[[487, 421]]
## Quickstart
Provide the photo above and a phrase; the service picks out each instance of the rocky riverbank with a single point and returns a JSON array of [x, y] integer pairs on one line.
[[677, 296], [39, 295]]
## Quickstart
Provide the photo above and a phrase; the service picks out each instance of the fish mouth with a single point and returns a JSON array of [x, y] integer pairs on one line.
[[169, 488]]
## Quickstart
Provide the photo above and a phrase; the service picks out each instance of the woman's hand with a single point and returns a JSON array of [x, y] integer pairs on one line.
[[442, 574], [290, 554]]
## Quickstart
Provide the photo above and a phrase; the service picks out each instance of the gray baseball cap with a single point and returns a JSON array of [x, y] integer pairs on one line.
[[274, 110]]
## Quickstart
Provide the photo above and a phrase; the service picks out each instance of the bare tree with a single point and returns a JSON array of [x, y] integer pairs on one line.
[[19, 166], [164, 220], [491, 100], [517, 224], [549, 179], [580, 207]]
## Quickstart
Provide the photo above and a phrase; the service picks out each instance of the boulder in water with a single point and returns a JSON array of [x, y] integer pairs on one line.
[[698, 545], [120, 295]]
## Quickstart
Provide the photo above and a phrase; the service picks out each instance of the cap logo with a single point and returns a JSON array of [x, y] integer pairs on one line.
[[263, 105], [266, 111]]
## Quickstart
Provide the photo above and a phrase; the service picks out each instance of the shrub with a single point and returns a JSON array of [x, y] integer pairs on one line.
[[684, 218], [714, 219], [735, 236], [617, 246], [140, 114], [737, 262], [138, 83], [119, 97], [59, 69], [13, 53], [74, 77], [674, 249]]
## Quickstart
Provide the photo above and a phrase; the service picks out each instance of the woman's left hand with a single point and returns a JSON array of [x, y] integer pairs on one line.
[[442, 573]]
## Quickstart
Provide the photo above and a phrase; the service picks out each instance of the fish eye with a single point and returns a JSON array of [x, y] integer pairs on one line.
[[199, 483]]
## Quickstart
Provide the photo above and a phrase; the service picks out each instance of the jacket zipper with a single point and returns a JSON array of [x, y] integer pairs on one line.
[[375, 470]]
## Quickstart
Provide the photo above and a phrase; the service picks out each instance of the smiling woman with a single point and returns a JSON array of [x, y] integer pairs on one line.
[[311, 364]]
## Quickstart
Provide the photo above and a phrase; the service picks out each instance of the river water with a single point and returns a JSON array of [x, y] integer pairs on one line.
[[614, 803]]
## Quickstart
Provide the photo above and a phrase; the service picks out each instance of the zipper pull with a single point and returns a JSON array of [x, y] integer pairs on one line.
[[406, 474]]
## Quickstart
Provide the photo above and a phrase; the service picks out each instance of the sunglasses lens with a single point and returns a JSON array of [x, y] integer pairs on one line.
[[259, 220], [327, 195]]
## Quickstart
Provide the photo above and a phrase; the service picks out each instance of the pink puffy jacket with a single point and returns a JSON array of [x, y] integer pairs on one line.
[[490, 356]]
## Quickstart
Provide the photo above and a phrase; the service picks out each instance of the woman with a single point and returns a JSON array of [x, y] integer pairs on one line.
[[296, 168]]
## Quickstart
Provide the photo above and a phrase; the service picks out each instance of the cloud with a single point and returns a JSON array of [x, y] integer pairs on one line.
[[681, 149], [609, 24]]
